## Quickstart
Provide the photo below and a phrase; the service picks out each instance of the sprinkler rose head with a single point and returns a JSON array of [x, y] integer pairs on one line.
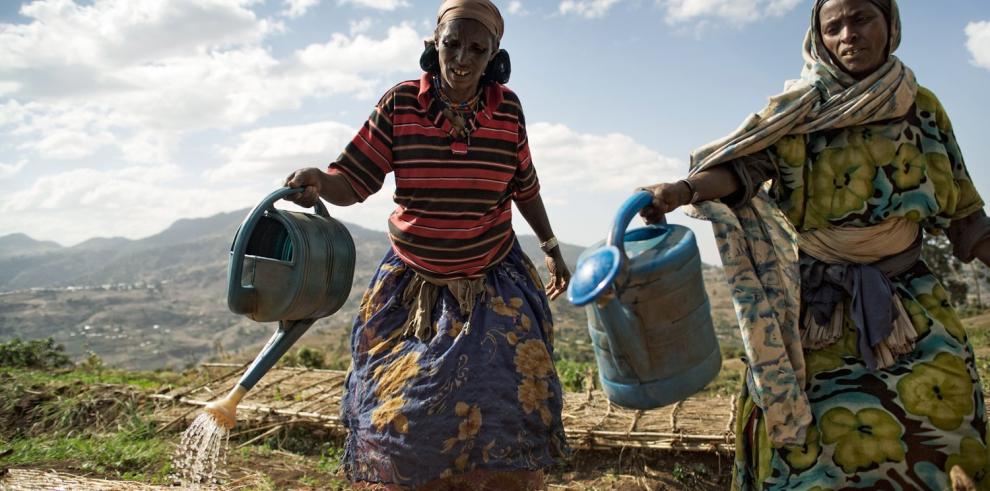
[[224, 411]]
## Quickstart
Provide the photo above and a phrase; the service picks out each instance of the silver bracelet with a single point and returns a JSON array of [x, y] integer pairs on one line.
[[549, 245], [693, 190]]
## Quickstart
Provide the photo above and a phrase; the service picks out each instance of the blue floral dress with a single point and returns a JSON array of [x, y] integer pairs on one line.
[[481, 394], [905, 426]]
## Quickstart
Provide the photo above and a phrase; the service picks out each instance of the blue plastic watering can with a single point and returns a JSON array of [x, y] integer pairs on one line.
[[290, 267], [648, 312]]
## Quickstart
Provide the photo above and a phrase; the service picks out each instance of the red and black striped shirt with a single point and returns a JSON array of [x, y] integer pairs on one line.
[[454, 213]]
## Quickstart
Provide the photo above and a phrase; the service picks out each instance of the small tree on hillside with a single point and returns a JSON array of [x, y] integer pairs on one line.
[[937, 253], [980, 273], [37, 354]]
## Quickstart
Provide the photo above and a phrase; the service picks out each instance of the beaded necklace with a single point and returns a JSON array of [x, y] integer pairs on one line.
[[460, 114], [469, 105]]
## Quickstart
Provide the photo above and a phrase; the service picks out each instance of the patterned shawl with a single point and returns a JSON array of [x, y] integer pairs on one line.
[[759, 246]]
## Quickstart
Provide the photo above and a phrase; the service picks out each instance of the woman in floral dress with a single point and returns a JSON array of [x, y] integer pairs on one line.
[[860, 373], [452, 384]]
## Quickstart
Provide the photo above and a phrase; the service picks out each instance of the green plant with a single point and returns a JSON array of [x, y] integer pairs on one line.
[[311, 358], [289, 360], [92, 363], [309, 481], [732, 352], [39, 354], [306, 357], [728, 381], [691, 472], [330, 459], [575, 374]]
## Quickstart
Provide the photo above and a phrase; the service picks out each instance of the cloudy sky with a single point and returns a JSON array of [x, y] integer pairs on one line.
[[118, 117]]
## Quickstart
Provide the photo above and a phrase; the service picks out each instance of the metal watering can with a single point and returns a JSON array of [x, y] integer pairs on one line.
[[648, 312], [289, 267]]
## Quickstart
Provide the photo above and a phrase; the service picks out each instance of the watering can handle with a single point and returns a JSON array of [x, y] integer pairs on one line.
[[628, 210], [241, 299], [598, 272]]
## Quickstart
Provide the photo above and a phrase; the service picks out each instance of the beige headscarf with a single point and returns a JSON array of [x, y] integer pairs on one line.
[[759, 246], [482, 11], [825, 97]]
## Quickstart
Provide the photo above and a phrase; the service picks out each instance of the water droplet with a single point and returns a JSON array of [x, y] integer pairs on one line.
[[202, 454]]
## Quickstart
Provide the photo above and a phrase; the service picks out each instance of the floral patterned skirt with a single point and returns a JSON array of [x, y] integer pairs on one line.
[[900, 428], [481, 394]]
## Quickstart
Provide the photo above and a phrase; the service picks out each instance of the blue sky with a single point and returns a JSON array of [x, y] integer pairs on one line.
[[119, 117]]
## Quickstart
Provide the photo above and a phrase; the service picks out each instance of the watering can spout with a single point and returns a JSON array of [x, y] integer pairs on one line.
[[285, 336], [288, 332], [224, 410]]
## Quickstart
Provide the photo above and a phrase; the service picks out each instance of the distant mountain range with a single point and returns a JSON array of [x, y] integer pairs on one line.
[[161, 300], [188, 243], [14, 245]]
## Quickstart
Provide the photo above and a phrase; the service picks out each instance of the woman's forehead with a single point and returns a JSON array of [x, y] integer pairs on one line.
[[838, 8], [468, 29]]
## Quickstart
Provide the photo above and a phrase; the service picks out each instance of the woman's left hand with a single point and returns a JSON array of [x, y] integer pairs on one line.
[[560, 276]]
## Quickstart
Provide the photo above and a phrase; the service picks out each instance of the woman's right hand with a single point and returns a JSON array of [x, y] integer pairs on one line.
[[667, 197], [309, 178]]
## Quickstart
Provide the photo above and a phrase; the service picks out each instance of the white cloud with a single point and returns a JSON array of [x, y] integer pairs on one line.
[[376, 4], [129, 202], [272, 153], [612, 162], [12, 112], [398, 51], [129, 74], [110, 34], [63, 130], [516, 8], [978, 42], [7, 170], [9, 87], [588, 9], [82, 77], [360, 26], [269, 155], [732, 11], [297, 8], [585, 177]]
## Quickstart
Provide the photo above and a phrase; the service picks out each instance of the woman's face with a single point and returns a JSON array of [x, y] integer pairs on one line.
[[465, 48], [855, 32]]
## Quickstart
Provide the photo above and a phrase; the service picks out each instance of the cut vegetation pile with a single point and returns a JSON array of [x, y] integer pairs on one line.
[[84, 426], [311, 398]]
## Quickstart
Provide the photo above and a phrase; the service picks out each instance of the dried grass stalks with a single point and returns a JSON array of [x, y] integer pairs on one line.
[[33, 480], [312, 397]]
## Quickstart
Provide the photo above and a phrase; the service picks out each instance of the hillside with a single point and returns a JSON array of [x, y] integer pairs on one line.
[[161, 301]]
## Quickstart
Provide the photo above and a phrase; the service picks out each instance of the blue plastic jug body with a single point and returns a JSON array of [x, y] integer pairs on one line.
[[650, 320]]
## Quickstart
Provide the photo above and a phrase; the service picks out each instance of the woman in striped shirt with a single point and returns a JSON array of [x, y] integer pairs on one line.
[[451, 382]]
